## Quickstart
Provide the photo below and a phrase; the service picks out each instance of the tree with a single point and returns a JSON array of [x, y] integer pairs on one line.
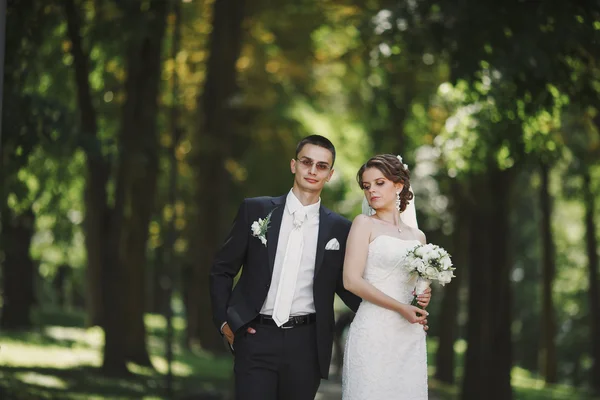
[[118, 232], [215, 139], [592, 254], [98, 170], [445, 359], [548, 344], [31, 125]]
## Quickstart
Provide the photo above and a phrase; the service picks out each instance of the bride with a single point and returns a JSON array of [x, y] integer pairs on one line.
[[385, 355]]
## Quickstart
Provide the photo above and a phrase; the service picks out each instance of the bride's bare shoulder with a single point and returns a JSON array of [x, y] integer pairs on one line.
[[418, 234], [362, 220], [421, 236]]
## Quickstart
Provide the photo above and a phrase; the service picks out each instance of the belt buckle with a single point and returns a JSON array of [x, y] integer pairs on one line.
[[290, 321]]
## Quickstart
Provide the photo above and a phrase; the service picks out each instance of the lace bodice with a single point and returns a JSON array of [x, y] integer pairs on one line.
[[385, 355], [384, 267]]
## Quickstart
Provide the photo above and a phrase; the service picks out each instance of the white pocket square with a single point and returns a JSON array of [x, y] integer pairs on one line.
[[333, 244]]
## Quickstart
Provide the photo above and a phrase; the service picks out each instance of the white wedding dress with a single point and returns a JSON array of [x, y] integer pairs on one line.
[[385, 356]]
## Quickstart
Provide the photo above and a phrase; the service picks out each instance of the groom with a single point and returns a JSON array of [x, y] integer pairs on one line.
[[279, 317]]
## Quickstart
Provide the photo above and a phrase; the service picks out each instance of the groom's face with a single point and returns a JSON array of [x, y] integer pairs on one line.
[[312, 168]]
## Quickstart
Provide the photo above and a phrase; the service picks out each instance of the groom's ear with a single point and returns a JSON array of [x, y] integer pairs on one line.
[[293, 166], [330, 174]]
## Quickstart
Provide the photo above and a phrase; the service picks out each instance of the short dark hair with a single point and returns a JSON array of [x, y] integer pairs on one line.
[[317, 140], [391, 167]]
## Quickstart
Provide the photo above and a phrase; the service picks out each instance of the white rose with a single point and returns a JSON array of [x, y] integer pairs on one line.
[[445, 277], [428, 257], [419, 252], [446, 263], [256, 228], [431, 273], [420, 266]]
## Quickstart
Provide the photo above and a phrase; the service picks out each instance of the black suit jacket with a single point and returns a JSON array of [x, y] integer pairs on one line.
[[242, 304]]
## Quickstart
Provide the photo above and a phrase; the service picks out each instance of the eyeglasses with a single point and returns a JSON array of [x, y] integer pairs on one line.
[[308, 163]]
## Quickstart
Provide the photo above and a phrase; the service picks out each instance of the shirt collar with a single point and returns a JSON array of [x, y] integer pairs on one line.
[[292, 204]]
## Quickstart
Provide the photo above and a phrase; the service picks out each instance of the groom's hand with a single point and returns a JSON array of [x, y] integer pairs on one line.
[[228, 333]]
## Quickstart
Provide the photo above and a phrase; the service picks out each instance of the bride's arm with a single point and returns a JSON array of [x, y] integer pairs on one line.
[[357, 248]]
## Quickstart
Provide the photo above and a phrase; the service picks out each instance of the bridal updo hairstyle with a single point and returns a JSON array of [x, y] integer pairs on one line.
[[391, 167]]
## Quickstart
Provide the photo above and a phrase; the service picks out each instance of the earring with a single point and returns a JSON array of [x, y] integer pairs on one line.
[[398, 202]]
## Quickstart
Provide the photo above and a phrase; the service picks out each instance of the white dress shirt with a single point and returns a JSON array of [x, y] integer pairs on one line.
[[303, 302]]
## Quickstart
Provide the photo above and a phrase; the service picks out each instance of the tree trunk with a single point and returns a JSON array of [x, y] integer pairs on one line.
[[95, 197], [488, 360], [548, 365], [116, 239], [592, 253], [445, 365], [501, 183], [17, 270], [102, 227], [158, 301], [215, 138], [101, 236], [138, 172], [476, 377]]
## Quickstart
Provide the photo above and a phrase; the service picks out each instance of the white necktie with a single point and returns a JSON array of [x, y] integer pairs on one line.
[[289, 273]]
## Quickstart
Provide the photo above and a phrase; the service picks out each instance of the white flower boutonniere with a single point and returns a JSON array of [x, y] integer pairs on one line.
[[260, 227]]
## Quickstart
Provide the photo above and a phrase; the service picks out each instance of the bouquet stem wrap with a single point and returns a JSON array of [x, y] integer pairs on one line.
[[421, 286]]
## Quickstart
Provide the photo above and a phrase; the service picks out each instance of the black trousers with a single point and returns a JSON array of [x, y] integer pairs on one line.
[[276, 364]]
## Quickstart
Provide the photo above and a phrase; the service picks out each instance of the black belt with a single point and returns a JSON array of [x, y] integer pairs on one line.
[[292, 322]]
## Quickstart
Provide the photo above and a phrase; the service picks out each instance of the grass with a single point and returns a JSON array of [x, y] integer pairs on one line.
[[61, 359], [526, 385]]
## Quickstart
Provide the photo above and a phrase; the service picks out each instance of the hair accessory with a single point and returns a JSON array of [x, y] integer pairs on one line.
[[404, 165]]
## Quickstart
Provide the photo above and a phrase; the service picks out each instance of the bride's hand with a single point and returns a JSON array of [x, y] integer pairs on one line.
[[413, 314]]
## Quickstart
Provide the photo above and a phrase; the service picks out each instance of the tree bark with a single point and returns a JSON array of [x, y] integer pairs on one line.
[[102, 226], [594, 285], [501, 183], [445, 361], [18, 270], [116, 238], [215, 138], [488, 360], [548, 346], [138, 172], [157, 298], [476, 377], [96, 208], [23, 126]]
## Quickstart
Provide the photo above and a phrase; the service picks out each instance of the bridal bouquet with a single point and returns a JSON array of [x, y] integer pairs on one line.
[[430, 263]]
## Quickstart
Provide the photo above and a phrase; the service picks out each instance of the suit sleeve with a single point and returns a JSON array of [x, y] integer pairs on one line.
[[227, 264], [349, 298]]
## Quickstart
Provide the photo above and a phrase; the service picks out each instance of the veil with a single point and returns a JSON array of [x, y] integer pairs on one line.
[[409, 216]]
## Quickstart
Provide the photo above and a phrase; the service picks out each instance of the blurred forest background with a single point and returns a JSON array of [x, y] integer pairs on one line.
[[132, 129]]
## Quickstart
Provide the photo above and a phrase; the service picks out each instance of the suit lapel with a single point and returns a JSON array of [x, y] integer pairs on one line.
[[324, 233], [275, 227]]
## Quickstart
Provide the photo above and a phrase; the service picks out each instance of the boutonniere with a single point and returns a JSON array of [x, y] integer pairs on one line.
[[260, 227]]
